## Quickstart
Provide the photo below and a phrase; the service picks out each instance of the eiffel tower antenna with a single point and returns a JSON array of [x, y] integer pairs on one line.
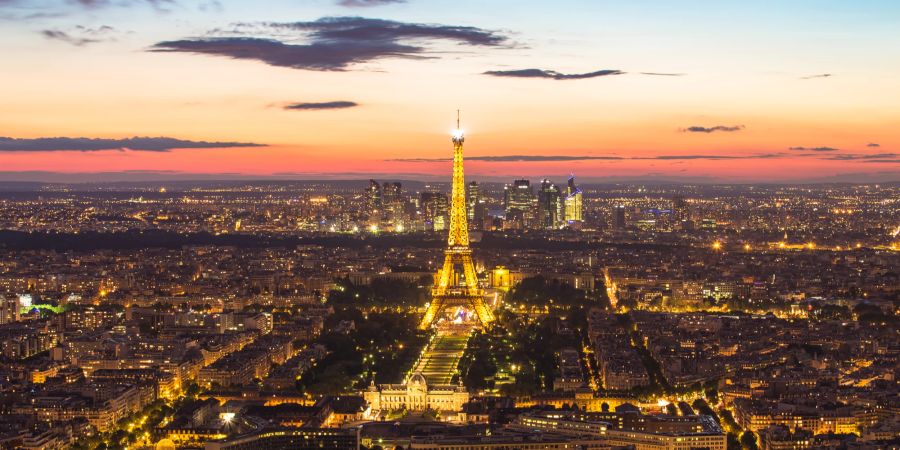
[[457, 119]]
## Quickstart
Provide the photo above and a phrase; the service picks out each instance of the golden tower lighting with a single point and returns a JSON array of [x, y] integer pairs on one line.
[[456, 281]]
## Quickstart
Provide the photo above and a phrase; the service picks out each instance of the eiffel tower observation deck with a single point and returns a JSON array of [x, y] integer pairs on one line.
[[456, 281]]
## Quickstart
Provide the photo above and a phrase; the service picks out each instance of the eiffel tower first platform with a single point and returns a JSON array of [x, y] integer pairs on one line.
[[456, 283]]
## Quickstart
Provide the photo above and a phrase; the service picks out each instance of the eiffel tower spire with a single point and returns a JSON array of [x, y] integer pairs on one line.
[[459, 224], [456, 281]]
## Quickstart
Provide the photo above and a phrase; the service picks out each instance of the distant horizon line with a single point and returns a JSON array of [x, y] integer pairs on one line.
[[149, 176]]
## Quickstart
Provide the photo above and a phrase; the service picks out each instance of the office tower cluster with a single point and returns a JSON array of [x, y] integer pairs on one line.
[[552, 208], [388, 208]]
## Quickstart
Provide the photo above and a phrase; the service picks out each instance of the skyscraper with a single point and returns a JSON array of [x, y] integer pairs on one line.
[[519, 202], [435, 209], [573, 203], [392, 203], [550, 205], [391, 192], [619, 217], [373, 199], [472, 197], [680, 208]]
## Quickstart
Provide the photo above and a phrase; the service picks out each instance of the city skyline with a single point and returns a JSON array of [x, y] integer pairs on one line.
[[798, 92]]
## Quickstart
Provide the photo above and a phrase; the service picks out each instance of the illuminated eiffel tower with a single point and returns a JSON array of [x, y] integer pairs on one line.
[[456, 283]]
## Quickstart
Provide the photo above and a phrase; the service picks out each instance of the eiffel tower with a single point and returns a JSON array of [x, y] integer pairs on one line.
[[456, 282]]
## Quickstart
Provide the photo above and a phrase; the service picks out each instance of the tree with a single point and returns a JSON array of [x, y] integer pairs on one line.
[[671, 409], [733, 443], [748, 440]]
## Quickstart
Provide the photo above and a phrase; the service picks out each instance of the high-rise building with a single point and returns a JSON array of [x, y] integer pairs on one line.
[[435, 209], [519, 203], [476, 207], [679, 207], [373, 199], [9, 309], [573, 203], [472, 194], [519, 196], [392, 204], [619, 217], [550, 205], [391, 192]]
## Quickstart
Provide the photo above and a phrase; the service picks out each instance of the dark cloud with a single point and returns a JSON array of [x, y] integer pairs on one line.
[[58, 5], [699, 129], [713, 157], [551, 158], [321, 105], [551, 74], [141, 144], [515, 158], [81, 35], [814, 149], [94, 4], [663, 74], [873, 145], [57, 35], [821, 75], [367, 3], [871, 157], [333, 43]]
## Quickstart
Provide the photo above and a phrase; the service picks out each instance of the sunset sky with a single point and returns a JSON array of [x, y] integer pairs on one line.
[[697, 90]]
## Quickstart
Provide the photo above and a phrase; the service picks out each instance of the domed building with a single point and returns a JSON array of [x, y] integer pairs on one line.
[[416, 395]]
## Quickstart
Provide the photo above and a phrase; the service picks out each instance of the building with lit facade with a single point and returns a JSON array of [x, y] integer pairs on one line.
[[510, 442], [473, 197], [550, 205], [416, 395], [435, 210], [9, 309], [518, 201], [573, 203], [630, 429]]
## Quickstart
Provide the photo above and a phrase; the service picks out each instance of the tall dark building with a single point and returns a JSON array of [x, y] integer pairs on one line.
[[619, 217], [435, 209], [473, 194], [680, 208], [373, 197], [519, 196], [392, 202], [391, 191], [550, 205], [477, 206], [519, 202]]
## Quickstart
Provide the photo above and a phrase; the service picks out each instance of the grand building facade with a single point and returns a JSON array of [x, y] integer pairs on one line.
[[416, 395]]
